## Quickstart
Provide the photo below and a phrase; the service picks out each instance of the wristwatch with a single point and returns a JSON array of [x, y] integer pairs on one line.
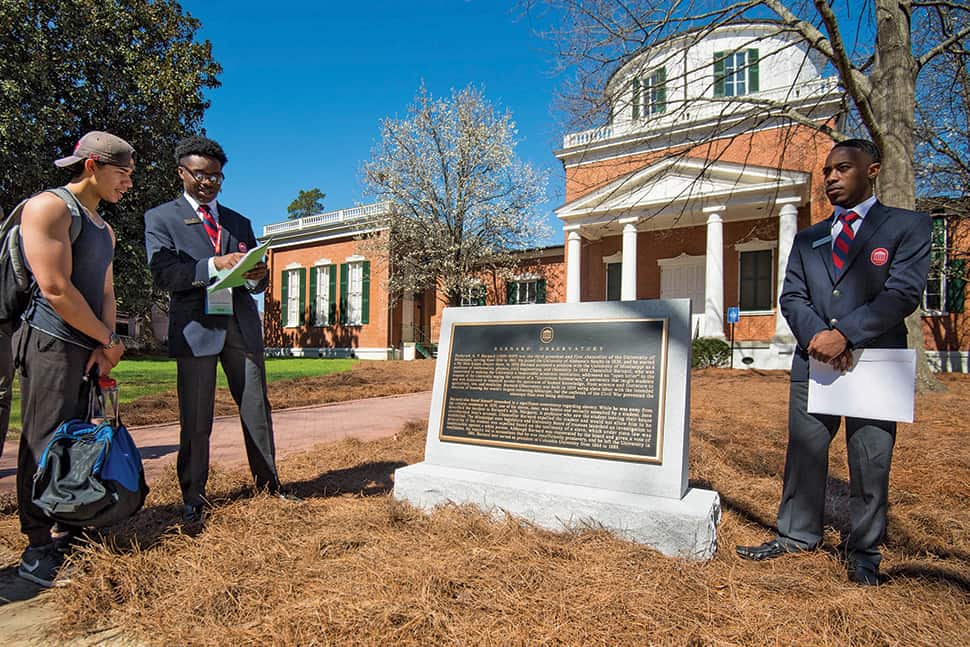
[[113, 341]]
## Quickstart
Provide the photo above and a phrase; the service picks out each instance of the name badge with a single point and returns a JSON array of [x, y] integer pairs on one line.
[[822, 241], [192, 221], [218, 302]]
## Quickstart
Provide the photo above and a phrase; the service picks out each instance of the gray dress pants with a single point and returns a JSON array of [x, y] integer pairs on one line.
[[869, 445]]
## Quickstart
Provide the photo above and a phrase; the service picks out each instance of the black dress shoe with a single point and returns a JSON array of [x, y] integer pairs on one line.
[[192, 514], [864, 574], [767, 550], [286, 495]]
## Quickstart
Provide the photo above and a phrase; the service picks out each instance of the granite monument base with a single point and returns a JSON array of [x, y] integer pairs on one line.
[[685, 527]]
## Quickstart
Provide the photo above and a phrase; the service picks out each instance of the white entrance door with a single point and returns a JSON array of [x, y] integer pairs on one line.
[[683, 278]]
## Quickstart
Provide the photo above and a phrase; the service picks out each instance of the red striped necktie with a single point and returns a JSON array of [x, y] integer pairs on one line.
[[211, 227], [840, 250]]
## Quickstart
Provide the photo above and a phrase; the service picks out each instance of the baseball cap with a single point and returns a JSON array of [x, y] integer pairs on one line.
[[100, 147]]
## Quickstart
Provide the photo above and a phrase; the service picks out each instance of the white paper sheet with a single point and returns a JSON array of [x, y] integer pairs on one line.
[[880, 385]]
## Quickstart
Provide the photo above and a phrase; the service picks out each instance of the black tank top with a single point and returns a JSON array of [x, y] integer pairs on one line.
[[91, 255]]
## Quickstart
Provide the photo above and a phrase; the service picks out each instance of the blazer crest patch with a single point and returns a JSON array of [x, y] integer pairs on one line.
[[879, 256]]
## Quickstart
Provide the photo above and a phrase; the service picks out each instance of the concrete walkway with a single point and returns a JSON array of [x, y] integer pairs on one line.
[[295, 430]]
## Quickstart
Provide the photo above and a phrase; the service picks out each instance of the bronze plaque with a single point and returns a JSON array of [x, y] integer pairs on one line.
[[589, 388]]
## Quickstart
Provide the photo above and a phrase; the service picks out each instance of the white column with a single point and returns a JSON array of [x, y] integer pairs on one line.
[[407, 317], [628, 270], [573, 254], [787, 227], [714, 275]]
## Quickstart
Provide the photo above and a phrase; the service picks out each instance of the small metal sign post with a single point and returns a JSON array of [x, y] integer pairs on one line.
[[733, 316]]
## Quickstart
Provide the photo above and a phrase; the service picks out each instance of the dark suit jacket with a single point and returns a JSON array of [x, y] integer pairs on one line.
[[882, 282], [178, 255]]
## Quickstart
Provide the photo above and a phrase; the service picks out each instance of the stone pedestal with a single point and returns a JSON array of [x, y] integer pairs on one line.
[[685, 527]]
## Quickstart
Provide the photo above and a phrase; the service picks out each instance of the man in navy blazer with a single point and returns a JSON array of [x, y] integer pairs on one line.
[[189, 240], [851, 282]]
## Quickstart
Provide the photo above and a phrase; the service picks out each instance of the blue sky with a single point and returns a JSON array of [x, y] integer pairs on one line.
[[305, 85]]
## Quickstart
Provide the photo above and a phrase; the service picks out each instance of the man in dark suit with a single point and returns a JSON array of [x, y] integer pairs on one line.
[[189, 240], [851, 281]]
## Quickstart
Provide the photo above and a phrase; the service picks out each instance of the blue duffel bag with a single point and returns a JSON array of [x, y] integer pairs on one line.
[[90, 474]]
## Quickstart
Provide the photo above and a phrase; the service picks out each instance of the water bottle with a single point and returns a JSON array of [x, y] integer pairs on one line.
[[109, 399]]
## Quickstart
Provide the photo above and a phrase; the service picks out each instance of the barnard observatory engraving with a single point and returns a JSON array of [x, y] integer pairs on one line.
[[597, 390]]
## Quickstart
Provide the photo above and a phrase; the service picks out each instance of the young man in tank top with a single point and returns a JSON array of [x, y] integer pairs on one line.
[[70, 324]]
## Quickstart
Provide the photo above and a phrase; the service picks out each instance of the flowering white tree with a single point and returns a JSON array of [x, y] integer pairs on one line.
[[463, 203]]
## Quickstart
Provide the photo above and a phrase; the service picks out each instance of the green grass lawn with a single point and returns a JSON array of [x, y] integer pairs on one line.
[[147, 376]]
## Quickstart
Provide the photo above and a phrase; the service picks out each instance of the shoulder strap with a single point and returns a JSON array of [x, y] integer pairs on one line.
[[73, 206]]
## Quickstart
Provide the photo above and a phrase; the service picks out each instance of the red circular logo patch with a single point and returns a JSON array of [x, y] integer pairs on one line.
[[879, 256], [243, 248]]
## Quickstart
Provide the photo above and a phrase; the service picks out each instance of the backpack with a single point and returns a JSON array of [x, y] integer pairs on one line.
[[90, 474], [17, 285]]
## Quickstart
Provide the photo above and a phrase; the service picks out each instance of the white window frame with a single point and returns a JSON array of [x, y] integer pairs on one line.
[[941, 271], [649, 93], [293, 298], [322, 298], [472, 293], [758, 245], [522, 289], [736, 74], [355, 293]]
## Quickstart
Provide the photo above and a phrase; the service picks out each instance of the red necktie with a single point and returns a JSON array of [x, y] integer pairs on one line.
[[211, 227], [840, 250]]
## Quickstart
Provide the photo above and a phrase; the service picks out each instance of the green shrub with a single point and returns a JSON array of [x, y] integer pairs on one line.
[[708, 352]]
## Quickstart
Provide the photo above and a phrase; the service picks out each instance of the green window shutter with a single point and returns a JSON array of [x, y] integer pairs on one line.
[[313, 295], [284, 296], [510, 292], [956, 285], [302, 310], [718, 74], [365, 293], [636, 98], [541, 291], [332, 297], [753, 71], [343, 293], [661, 100]]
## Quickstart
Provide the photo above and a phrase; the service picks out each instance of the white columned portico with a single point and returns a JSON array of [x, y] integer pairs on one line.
[[714, 274], [573, 255], [787, 227], [628, 271]]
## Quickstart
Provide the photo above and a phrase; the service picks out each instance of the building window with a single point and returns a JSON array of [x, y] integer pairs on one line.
[[736, 73], [946, 282], [650, 95], [756, 284], [526, 291], [473, 295], [355, 293], [655, 94], [292, 299], [321, 287]]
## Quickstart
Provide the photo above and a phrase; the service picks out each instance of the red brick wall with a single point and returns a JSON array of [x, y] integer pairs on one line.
[[374, 334]]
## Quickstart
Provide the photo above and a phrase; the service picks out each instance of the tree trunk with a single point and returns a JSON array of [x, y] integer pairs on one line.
[[893, 103]]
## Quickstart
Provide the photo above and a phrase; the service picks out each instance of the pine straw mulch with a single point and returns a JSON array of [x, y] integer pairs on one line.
[[364, 380], [352, 566]]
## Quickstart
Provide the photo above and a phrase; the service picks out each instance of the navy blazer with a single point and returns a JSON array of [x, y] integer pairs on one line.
[[179, 250], [882, 282]]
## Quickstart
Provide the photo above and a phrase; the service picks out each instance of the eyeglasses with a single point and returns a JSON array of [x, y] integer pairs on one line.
[[200, 177]]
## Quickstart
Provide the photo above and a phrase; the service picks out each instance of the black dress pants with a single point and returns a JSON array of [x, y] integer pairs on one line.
[[52, 390], [246, 374]]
